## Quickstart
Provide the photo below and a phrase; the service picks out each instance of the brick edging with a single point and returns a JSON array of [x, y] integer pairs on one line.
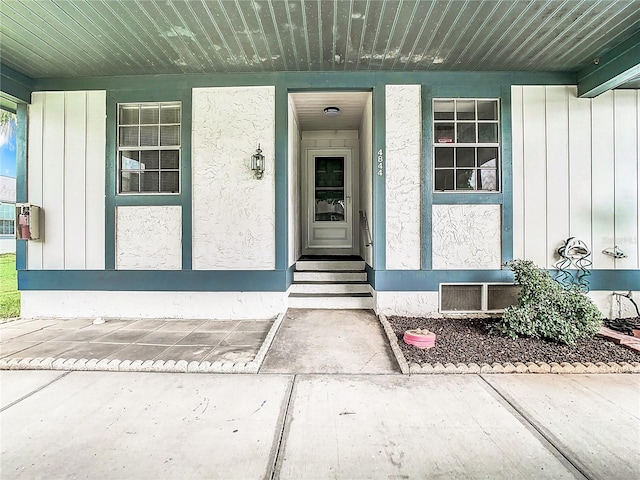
[[518, 367], [169, 366]]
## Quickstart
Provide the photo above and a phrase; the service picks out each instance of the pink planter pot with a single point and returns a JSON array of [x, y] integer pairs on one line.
[[420, 338]]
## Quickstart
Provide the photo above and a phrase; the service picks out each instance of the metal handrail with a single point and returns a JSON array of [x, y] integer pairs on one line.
[[363, 218]]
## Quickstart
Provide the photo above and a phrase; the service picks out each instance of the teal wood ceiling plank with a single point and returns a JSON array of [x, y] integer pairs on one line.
[[273, 38], [425, 15], [441, 24], [30, 62], [403, 18], [341, 23], [15, 86], [203, 36], [599, 34], [241, 54], [222, 47], [614, 68], [103, 20], [370, 54], [363, 31], [75, 36], [21, 30], [312, 34], [283, 25], [242, 13]]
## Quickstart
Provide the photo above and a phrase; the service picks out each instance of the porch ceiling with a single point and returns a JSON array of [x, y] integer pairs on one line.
[[133, 37]]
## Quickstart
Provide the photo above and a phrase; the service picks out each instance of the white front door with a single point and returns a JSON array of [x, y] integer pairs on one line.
[[329, 202]]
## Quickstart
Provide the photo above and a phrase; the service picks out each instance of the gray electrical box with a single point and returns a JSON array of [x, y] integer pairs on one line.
[[27, 221]]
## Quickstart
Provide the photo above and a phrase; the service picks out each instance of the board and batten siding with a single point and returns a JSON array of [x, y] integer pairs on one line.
[[575, 173], [66, 178]]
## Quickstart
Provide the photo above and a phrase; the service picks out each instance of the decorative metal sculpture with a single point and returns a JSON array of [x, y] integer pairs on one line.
[[574, 255]]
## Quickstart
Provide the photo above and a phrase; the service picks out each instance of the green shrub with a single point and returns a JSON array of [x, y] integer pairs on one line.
[[547, 310]]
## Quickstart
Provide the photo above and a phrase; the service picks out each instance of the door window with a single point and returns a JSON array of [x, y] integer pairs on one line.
[[329, 189]]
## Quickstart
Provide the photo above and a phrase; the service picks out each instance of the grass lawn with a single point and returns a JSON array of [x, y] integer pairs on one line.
[[9, 294]]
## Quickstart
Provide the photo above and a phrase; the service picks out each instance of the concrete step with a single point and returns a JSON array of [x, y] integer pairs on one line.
[[329, 276], [328, 288], [331, 302], [330, 265]]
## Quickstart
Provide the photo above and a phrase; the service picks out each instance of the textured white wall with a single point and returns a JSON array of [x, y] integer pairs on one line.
[[403, 143], [295, 249], [412, 304], [233, 212], [205, 305], [149, 238], [66, 177], [366, 182], [466, 237], [576, 173]]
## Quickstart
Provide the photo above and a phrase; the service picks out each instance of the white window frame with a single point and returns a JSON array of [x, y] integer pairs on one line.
[[475, 145], [138, 148]]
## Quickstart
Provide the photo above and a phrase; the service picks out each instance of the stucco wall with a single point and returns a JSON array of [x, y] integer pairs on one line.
[[233, 212], [66, 177], [149, 238], [466, 237], [403, 143], [576, 173]]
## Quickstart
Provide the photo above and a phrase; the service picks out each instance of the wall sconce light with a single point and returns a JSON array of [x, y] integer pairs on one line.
[[257, 163]]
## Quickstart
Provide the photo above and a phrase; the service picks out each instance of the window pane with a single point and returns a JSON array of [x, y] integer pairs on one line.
[[170, 135], [466, 133], [329, 205], [443, 109], [487, 110], [128, 136], [169, 182], [149, 182], [170, 159], [444, 180], [129, 182], [129, 161], [444, 157], [149, 159], [465, 157], [486, 154], [487, 179], [149, 136], [170, 114], [443, 132], [464, 180], [129, 115], [487, 133], [149, 114], [466, 109]]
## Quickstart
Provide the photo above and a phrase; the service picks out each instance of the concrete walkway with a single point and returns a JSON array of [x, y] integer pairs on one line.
[[104, 425]]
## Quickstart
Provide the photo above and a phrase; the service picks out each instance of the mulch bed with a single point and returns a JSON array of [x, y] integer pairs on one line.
[[466, 340]]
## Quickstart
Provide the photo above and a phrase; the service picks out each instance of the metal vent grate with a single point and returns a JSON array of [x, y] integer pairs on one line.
[[500, 297], [477, 297], [461, 298]]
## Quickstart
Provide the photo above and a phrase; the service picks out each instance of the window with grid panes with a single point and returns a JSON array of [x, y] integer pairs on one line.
[[149, 147], [466, 144]]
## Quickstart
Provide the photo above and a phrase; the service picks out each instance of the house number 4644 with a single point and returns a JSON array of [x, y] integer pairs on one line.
[[380, 162]]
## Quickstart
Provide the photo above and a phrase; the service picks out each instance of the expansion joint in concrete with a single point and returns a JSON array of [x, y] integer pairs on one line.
[[545, 437], [282, 433], [42, 387]]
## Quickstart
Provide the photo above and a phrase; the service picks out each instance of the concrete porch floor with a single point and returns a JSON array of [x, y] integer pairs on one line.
[[232, 341]]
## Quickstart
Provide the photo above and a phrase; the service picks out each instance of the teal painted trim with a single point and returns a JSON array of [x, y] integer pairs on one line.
[[371, 275], [304, 80], [615, 67], [183, 199], [110, 185], [450, 198], [472, 90], [379, 181], [506, 180], [186, 181], [8, 105], [281, 169], [22, 193], [429, 281], [15, 86], [426, 191], [154, 280], [289, 275]]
